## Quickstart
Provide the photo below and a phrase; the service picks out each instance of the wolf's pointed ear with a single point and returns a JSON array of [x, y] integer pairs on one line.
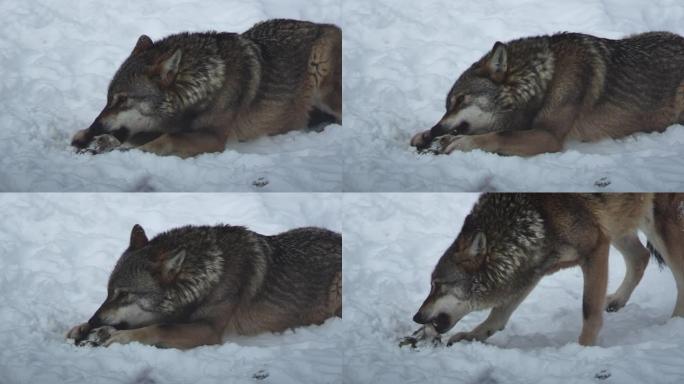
[[478, 245], [496, 62], [172, 263], [138, 238], [143, 44], [168, 67]]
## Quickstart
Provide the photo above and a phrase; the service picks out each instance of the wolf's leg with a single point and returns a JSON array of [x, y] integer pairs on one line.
[[595, 271], [665, 234], [511, 143], [325, 72], [185, 144], [636, 259], [181, 336], [496, 321]]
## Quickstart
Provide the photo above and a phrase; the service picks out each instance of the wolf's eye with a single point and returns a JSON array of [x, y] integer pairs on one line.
[[119, 294], [436, 286], [460, 99], [120, 100]]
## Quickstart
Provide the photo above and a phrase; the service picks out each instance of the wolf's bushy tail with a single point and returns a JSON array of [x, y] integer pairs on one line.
[[655, 254]]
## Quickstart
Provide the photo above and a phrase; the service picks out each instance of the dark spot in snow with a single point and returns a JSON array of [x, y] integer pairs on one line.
[[602, 182], [604, 374], [260, 182], [260, 375]]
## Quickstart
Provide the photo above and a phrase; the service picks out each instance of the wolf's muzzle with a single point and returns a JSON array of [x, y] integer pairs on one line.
[[437, 130]]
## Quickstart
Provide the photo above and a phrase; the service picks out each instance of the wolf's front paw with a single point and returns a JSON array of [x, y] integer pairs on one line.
[[79, 332], [98, 337], [468, 336], [450, 143], [101, 144]]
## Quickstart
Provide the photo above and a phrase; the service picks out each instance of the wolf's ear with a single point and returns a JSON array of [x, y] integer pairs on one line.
[[172, 263], [168, 67], [143, 44], [138, 238], [478, 245], [496, 62]]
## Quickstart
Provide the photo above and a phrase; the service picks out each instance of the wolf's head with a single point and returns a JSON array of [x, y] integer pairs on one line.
[[153, 284], [453, 279], [496, 93], [136, 95], [492, 260]]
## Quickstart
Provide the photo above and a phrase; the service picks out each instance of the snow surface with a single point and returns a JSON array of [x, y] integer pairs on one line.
[[56, 60], [391, 244], [56, 253], [401, 57]]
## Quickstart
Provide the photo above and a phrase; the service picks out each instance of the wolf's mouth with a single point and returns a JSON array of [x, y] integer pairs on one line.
[[441, 323]]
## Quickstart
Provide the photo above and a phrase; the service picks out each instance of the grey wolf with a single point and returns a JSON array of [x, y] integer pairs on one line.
[[190, 93], [195, 285], [531, 95], [510, 241]]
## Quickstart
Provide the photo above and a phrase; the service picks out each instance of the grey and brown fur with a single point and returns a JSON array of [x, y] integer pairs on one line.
[[191, 93], [194, 286], [531, 95], [510, 241]]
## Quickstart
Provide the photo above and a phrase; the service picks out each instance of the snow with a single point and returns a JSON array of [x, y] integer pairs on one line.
[[56, 60], [391, 244], [56, 253], [402, 57]]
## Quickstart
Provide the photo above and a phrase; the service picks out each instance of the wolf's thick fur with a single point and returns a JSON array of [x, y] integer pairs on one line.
[[194, 285], [510, 241], [530, 95], [190, 93]]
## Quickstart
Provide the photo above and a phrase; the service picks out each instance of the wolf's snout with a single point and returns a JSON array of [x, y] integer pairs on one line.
[[95, 321], [437, 130], [419, 318]]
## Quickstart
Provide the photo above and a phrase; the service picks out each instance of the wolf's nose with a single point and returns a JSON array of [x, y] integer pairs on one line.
[[418, 318]]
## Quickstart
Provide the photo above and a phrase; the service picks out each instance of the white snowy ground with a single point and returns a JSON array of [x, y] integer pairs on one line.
[[56, 253], [391, 244], [56, 60], [401, 57]]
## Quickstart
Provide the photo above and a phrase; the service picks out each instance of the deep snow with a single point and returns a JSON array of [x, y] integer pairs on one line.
[[401, 58], [56, 253], [56, 60], [391, 244]]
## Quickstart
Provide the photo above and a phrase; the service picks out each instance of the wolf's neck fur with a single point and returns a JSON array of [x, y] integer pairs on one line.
[[530, 70], [515, 232]]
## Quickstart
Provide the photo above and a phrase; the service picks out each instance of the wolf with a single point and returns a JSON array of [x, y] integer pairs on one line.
[[529, 96], [195, 285], [508, 242], [191, 93]]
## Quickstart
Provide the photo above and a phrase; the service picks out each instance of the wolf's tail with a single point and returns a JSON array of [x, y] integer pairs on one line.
[[656, 255]]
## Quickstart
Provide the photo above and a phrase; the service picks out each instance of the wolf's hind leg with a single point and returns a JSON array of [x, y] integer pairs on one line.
[[664, 232], [636, 259], [325, 72], [595, 271], [496, 321]]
